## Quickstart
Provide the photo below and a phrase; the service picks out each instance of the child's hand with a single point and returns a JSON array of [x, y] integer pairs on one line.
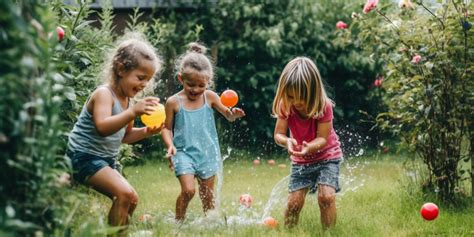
[[154, 130], [235, 113], [145, 106], [301, 150], [170, 153], [291, 143]]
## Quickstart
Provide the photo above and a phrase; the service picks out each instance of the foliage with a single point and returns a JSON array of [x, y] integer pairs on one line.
[[32, 166], [255, 40], [428, 83], [250, 43], [127, 156]]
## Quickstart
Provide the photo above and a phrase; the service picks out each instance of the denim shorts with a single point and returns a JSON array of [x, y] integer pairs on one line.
[[185, 164], [310, 175], [84, 165]]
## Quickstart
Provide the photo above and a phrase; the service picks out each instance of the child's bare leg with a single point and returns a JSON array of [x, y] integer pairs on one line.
[[327, 205], [112, 184], [132, 208], [295, 204], [206, 192], [187, 193]]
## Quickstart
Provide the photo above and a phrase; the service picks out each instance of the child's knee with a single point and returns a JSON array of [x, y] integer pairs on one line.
[[188, 193], [129, 197], [295, 206], [326, 199]]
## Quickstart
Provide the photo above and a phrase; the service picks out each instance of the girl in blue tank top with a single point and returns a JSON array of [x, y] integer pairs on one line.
[[106, 121], [190, 132]]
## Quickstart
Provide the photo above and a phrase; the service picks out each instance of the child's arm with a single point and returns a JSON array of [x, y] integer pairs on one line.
[[106, 123], [171, 107], [281, 139], [230, 114], [137, 134], [324, 128]]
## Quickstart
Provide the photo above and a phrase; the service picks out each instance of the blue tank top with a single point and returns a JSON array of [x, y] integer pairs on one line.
[[195, 133], [85, 138]]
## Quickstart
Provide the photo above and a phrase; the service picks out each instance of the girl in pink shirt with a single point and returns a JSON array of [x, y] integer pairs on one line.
[[302, 107]]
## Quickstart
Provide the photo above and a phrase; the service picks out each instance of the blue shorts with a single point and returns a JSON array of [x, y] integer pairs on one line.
[[84, 165], [185, 164], [310, 175]]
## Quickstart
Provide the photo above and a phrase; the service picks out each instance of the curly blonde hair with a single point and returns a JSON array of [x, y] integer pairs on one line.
[[131, 49]]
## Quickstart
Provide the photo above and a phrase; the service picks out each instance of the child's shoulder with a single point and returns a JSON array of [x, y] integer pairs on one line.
[[101, 93], [210, 94], [327, 114], [212, 97], [172, 100]]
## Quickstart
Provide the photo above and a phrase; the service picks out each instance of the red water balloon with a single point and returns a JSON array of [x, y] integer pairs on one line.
[[246, 200], [429, 211], [229, 98]]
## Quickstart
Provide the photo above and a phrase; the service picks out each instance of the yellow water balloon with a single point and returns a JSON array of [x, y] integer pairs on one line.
[[155, 119]]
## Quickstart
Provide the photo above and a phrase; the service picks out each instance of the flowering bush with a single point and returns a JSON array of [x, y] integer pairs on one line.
[[428, 82]]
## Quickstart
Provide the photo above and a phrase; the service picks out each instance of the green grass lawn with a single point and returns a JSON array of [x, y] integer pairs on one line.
[[374, 202]]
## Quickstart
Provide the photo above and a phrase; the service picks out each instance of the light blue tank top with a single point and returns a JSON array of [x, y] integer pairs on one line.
[[195, 134], [85, 138]]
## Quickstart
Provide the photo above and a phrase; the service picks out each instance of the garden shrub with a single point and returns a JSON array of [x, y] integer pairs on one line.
[[33, 169], [427, 55]]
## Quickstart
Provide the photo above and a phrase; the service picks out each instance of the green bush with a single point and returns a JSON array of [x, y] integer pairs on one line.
[[427, 55], [251, 42], [33, 176]]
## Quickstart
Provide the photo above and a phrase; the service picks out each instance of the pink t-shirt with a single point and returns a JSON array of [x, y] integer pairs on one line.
[[306, 130]]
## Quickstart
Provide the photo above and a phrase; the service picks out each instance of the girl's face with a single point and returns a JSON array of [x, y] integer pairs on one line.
[[135, 80], [299, 105], [194, 85]]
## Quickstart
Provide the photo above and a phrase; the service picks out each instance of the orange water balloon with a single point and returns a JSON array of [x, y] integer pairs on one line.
[[229, 98], [145, 218], [256, 162], [270, 222], [156, 118]]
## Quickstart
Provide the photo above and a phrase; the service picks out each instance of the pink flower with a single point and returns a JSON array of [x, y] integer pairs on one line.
[[416, 59], [370, 5], [60, 33], [341, 25], [378, 81]]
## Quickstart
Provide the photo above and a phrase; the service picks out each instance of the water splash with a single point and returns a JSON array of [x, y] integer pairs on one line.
[[276, 197], [220, 177], [352, 178]]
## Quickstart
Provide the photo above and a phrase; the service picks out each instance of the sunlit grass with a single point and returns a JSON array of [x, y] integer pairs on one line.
[[380, 206]]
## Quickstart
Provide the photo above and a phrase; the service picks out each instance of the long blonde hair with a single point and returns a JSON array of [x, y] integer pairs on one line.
[[301, 78]]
